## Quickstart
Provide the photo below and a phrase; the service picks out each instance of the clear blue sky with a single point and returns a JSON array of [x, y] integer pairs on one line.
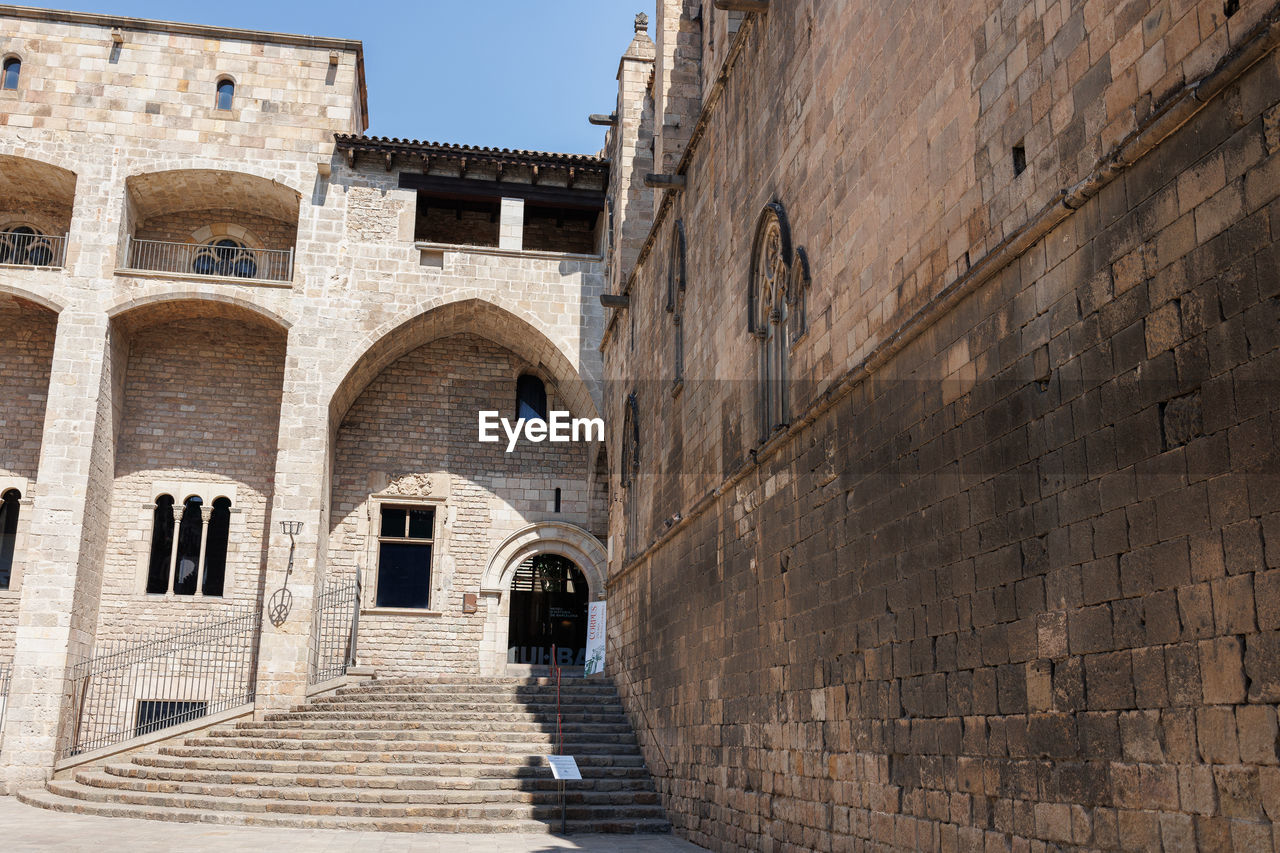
[[508, 73]]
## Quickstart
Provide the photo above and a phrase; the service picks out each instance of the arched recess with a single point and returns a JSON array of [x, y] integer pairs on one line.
[[36, 194], [166, 211], [565, 540], [503, 326], [197, 390]]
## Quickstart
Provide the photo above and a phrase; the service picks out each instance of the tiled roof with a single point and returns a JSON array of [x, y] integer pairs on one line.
[[510, 156]]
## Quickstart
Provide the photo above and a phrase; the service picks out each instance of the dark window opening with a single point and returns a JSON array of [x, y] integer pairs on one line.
[[456, 222], [531, 398], [215, 550], [156, 714], [557, 229], [1019, 159], [557, 499], [405, 540], [1230, 7], [226, 94], [12, 70], [225, 257], [161, 546], [187, 567], [9, 506]]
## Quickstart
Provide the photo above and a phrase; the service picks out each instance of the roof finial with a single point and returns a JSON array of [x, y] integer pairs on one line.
[[642, 23]]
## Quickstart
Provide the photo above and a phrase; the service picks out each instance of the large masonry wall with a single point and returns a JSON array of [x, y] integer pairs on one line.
[[1019, 583], [419, 417]]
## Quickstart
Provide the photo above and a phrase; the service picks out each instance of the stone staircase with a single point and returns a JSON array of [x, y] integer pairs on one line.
[[409, 755]]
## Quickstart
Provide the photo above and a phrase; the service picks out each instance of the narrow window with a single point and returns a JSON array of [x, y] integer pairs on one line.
[[1019, 159], [12, 69], [215, 550], [161, 546], [768, 306], [190, 530], [8, 534], [226, 93], [531, 398], [675, 301], [405, 539], [155, 714], [557, 499]]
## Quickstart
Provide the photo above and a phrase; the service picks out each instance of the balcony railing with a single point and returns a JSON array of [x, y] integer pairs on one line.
[[23, 247], [225, 259]]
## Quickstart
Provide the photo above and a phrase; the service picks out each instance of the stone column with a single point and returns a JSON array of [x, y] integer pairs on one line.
[[62, 581], [511, 224], [629, 147], [301, 494]]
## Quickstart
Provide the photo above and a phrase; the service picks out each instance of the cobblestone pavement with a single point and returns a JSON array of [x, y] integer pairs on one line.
[[24, 828]]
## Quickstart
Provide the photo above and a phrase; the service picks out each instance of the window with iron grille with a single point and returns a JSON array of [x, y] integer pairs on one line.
[[406, 539], [156, 714]]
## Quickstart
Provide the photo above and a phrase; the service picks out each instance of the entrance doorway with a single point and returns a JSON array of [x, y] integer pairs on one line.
[[548, 608]]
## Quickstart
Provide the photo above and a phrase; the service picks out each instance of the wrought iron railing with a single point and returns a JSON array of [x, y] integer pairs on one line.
[[24, 247], [6, 676], [132, 688], [225, 259], [333, 630]]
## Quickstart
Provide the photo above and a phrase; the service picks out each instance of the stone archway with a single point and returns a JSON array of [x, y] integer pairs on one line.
[[565, 540]]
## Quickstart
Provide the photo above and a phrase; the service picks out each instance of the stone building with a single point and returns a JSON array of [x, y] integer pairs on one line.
[[942, 407], [244, 347], [938, 506]]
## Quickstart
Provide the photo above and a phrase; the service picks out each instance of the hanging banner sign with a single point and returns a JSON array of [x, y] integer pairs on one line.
[[595, 639]]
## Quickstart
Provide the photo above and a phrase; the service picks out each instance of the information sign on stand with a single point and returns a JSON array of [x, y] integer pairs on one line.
[[564, 767]]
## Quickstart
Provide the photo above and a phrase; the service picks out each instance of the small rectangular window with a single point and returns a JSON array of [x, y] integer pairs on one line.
[[156, 714], [405, 543]]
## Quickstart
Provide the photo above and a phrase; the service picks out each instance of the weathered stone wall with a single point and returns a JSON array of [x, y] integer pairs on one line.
[[26, 354], [419, 416], [185, 421], [1012, 584]]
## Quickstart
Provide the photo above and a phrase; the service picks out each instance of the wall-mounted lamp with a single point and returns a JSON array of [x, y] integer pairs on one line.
[[291, 528]]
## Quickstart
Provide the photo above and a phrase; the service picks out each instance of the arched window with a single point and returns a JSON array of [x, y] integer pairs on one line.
[[215, 551], [190, 531], [676, 267], [12, 70], [531, 398], [25, 246], [9, 506], [161, 546], [226, 93], [225, 257], [189, 553], [767, 315]]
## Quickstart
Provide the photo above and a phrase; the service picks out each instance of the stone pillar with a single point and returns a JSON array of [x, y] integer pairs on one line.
[[631, 202], [62, 581], [677, 80], [511, 224], [301, 495]]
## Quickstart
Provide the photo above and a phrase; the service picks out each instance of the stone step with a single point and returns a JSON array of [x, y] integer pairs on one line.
[[394, 751], [408, 711], [57, 801], [358, 724], [540, 780], [585, 795], [377, 737], [504, 770], [438, 811], [479, 704]]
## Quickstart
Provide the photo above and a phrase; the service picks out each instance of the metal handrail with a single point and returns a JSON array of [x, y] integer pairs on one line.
[[134, 688], [6, 676], [23, 249], [205, 259], [333, 631]]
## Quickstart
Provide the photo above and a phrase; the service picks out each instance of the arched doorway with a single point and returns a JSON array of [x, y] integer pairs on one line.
[[548, 611]]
